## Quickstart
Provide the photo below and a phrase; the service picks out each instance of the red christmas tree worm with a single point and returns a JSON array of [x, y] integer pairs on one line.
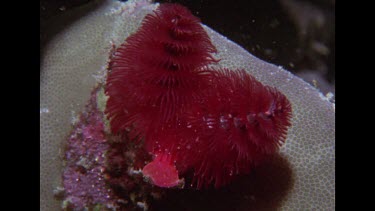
[[158, 71], [215, 124]]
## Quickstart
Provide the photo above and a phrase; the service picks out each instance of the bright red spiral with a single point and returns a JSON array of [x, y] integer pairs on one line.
[[159, 70]]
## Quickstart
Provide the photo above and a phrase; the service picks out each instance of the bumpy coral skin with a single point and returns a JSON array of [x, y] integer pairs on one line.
[[159, 70]]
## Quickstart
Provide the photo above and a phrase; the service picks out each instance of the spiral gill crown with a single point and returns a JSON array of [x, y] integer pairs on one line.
[[161, 68]]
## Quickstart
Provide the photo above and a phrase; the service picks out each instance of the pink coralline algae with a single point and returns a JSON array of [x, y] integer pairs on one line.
[[83, 177], [101, 169]]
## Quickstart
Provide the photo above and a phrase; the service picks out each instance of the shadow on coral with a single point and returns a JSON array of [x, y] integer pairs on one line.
[[264, 189], [56, 22]]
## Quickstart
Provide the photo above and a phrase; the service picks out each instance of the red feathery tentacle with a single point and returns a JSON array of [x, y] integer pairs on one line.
[[159, 70], [238, 124]]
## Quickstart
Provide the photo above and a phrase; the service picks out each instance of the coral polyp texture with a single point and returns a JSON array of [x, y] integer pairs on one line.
[[216, 123], [159, 70]]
